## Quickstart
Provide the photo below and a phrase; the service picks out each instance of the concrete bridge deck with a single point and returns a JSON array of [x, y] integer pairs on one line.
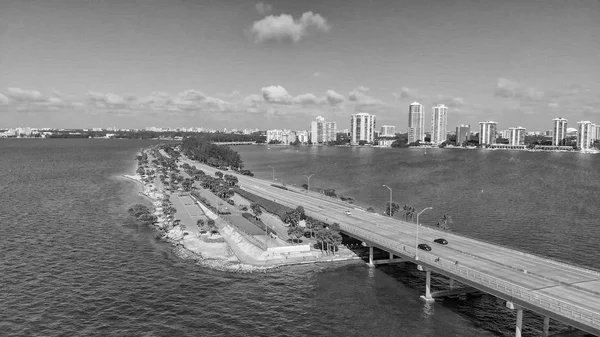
[[564, 292]]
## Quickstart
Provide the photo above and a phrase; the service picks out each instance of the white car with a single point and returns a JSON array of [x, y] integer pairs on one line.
[[347, 213]]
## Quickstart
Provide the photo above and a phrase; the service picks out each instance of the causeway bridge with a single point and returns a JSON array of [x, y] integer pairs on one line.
[[555, 290]]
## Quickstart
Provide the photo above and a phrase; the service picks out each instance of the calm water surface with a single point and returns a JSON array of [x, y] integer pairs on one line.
[[73, 264]]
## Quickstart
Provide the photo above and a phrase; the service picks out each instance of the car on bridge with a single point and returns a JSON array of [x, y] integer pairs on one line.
[[347, 212], [441, 241], [424, 246]]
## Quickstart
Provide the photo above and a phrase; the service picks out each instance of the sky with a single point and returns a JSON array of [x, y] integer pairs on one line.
[[280, 64]]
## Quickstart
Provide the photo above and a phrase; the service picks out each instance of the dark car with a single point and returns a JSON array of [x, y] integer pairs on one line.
[[424, 246], [441, 241]]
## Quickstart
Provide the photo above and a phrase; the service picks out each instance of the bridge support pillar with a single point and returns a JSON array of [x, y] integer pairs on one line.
[[546, 329], [519, 325], [451, 284], [371, 257], [391, 256], [427, 297]]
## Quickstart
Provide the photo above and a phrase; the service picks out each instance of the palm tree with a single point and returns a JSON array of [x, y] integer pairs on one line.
[[394, 208], [409, 212], [295, 233], [335, 227], [255, 207], [321, 233], [336, 239], [211, 226], [444, 222], [406, 211]]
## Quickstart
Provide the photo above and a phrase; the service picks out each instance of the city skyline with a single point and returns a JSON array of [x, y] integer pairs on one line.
[[279, 63]]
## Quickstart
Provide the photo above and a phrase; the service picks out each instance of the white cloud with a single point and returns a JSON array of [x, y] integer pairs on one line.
[[276, 94], [306, 99], [263, 8], [510, 89], [3, 99], [252, 101], [284, 27], [109, 100], [450, 101], [192, 95], [316, 74], [21, 95], [334, 98], [407, 94]]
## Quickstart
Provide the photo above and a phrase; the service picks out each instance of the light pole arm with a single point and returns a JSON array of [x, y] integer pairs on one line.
[[417, 237]]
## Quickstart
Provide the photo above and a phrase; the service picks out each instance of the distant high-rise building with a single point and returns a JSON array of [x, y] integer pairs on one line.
[[330, 132], [275, 135], [560, 131], [416, 129], [487, 132], [302, 136], [439, 124], [388, 131], [463, 132], [317, 130], [362, 127], [505, 134], [516, 136], [596, 132], [584, 134]]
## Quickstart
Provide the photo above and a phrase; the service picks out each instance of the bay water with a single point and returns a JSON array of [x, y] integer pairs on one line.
[[72, 263]]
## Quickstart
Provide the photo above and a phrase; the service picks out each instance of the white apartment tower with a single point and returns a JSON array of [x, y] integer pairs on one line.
[[439, 124], [516, 136], [560, 131], [330, 132], [596, 132], [416, 127], [584, 134], [388, 131], [317, 130], [487, 132], [362, 127]]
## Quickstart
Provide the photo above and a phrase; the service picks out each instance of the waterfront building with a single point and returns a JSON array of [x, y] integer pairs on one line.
[[560, 131], [439, 124], [362, 128], [317, 130], [463, 133], [505, 134], [274, 135], [487, 132], [517, 136], [388, 131], [595, 132], [302, 136], [330, 132], [416, 129], [386, 142], [584, 135]]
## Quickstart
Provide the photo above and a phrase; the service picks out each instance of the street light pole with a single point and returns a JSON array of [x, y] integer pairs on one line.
[[308, 185], [390, 199], [273, 172], [417, 239]]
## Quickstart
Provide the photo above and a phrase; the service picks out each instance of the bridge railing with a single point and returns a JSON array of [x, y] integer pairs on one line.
[[565, 309]]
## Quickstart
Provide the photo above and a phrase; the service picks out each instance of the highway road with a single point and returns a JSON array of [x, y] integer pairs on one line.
[[562, 291]]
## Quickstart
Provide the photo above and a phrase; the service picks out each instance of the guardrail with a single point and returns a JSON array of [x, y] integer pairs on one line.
[[559, 307]]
